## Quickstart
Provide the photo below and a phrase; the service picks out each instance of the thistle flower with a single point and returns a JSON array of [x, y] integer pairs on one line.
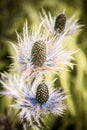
[[34, 102], [36, 53], [59, 24]]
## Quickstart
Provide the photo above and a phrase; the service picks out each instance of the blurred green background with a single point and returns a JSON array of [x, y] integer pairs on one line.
[[13, 14]]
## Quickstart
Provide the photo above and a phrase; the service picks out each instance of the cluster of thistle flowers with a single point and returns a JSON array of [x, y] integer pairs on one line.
[[38, 53]]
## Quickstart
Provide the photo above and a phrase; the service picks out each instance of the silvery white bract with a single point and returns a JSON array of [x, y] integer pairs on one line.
[[70, 25], [37, 53], [28, 99]]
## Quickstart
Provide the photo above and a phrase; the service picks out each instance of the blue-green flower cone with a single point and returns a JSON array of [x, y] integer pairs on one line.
[[60, 22], [38, 53], [42, 93]]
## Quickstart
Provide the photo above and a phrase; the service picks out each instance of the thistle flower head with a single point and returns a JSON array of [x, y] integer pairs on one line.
[[42, 93], [59, 24], [36, 53], [36, 101]]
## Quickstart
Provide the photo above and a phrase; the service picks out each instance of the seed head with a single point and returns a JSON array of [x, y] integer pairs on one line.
[[42, 93], [60, 23], [38, 53]]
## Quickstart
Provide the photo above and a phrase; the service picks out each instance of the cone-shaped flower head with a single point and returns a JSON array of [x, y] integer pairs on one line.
[[34, 101], [36, 53], [42, 93], [59, 24]]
